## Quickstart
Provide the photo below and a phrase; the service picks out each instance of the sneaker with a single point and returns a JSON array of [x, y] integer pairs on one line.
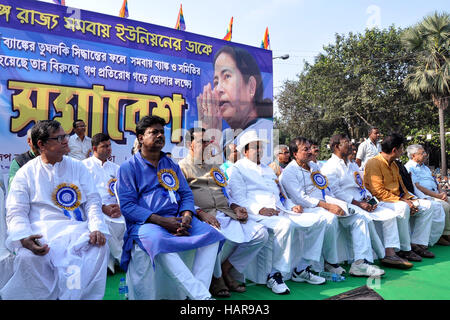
[[334, 268], [365, 269], [307, 276], [276, 283]]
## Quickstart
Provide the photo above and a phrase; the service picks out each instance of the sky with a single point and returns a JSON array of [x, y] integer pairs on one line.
[[299, 28]]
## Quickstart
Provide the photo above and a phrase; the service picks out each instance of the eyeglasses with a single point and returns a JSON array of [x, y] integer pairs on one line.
[[60, 138], [286, 152]]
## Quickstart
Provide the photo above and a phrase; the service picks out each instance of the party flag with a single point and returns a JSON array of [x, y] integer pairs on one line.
[[265, 43], [124, 10], [61, 2], [181, 25], [229, 31]]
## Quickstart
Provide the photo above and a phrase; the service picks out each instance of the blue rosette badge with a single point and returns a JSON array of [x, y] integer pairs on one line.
[[67, 197], [320, 181], [219, 178], [111, 186], [169, 180], [359, 182]]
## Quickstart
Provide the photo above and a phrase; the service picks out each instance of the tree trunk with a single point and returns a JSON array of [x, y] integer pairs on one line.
[[442, 138]]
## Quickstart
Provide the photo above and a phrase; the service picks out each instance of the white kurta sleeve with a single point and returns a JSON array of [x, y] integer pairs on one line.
[[361, 153], [92, 205], [17, 211], [295, 189], [237, 191]]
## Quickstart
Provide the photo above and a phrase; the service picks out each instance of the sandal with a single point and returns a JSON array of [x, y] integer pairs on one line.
[[422, 251], [218, 288], [235, 286]]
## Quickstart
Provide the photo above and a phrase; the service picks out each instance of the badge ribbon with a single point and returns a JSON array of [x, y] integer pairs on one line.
[[169, 180], [360, 184]]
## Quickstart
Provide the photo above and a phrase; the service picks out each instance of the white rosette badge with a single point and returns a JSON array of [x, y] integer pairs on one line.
[[169, 180]]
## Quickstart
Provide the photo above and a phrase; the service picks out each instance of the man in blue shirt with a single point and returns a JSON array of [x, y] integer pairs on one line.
[[158, 207], [425, 182]]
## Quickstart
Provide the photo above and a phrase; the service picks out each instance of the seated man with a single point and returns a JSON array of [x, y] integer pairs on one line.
[[424, 181], [158, 207], [104, 173], [315, 152], [55, 225], [306, 186], [383, 180], [254, 186], [438, 213], [231, 156], [23, 158], [352, 153], [347, 185], [245, 237], [282, 159]]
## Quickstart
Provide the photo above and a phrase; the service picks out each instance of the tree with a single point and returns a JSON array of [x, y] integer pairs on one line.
[[430, 75], [355, 83]]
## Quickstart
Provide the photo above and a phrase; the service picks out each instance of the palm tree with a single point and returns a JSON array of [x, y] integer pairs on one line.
[[429, 40]]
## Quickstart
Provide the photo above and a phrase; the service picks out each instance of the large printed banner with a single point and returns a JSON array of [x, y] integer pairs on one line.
[[63, 63]]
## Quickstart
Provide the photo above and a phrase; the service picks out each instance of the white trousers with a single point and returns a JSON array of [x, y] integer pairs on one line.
[[436, 220], [358, 228], [117, 230], [311, 229], [413, 229], [35, 277], [385, 217], [240, 254], [174, 276], [293, 239], [283, 230]]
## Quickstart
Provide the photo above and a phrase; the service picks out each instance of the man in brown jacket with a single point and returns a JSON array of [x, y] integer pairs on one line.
[[383, 180], [244, 237]]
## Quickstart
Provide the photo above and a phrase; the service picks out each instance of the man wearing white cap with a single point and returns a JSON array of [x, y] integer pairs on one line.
[[254, 186]]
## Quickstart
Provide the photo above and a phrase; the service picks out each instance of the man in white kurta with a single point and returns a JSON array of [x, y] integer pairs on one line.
[[55, 225], [306, 186], [254, 186], [245, 238], [369, 148], [346, 183], [104, 173], [79, 144]]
